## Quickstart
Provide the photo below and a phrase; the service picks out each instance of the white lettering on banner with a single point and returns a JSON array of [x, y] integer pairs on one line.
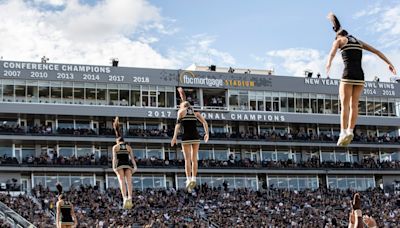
[[317, 81], [202, 81], [370, 88], [56, 67]]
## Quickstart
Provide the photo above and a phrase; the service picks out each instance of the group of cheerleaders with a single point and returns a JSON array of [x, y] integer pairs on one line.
[[350, 89]]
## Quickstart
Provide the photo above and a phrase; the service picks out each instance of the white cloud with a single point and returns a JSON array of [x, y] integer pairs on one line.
[[50, 2], [80, 33], [198, 50], [294, 61]]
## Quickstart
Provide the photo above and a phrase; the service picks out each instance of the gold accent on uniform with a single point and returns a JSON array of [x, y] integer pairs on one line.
[[352, 82], [195, 141]]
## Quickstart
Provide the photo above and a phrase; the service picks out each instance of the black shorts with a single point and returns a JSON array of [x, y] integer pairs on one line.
[[124, 165]]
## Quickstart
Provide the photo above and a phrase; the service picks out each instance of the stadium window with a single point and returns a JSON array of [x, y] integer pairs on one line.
[[20, 91], [244, 100], [370, 106], [253, 101], [377, 106], [335, 104], [139, 152], [290, 102], [260, 101], [220, 154], [328, 104], [320, 100], [154, 152], [362, 108], [135, 96], [6, 151], [161, 97], [268, 155], [284, 101], [205, 154], [283, 154], [90, 93], [113, 94], [327, 154], [385, 106], [44, 92], [8, 90], [39, 180], [313, 103], [101, 94], [84, 151], [123, 95], [306, 103], [234, 99], [392, 106], [341, 155], [65, 181], [299, 102], [148, 181], [170, 96], [67, 92], [55, 91], [28, 151], [275, 101], [66, 151]]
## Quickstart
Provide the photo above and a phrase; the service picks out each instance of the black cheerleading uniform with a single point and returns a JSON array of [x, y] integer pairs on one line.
[[352, 56], [189, 127], [65, 215], [123, 160]]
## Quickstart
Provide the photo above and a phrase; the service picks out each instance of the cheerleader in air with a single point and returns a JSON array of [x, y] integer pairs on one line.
[[187, 119], [352, 82], [65, 216], [124, 165]]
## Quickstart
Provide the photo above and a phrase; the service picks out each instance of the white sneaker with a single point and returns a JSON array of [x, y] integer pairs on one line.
[[124, 204], [348, 138], [341, 140], [128, 204], [192, 184]]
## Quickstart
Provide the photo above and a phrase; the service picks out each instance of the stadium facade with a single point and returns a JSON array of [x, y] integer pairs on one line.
[[56, 121]]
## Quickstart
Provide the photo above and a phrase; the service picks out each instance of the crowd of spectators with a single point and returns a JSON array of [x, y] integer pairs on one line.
[[214, 101], [221, 206], [295, 135], [232, 162], [45, 159], [164, 133], [303, 136], [4, 224], [25, 207]]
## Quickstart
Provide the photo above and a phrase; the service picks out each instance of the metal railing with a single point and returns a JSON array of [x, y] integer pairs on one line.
[[13, 218]]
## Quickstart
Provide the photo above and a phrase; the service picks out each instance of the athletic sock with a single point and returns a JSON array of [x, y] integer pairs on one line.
[[350, 131], [342, 132], [194, 179]]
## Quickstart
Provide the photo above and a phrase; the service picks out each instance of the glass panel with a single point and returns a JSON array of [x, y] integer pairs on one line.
[[56, 92], [84, 151], [67, 93], [90, 93], [66, 151], [44, 92], [6, 151], [221, 155], [20, 92], [101, 94]]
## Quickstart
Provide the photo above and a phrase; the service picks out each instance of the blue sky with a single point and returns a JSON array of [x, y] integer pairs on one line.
[[289, 36]]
